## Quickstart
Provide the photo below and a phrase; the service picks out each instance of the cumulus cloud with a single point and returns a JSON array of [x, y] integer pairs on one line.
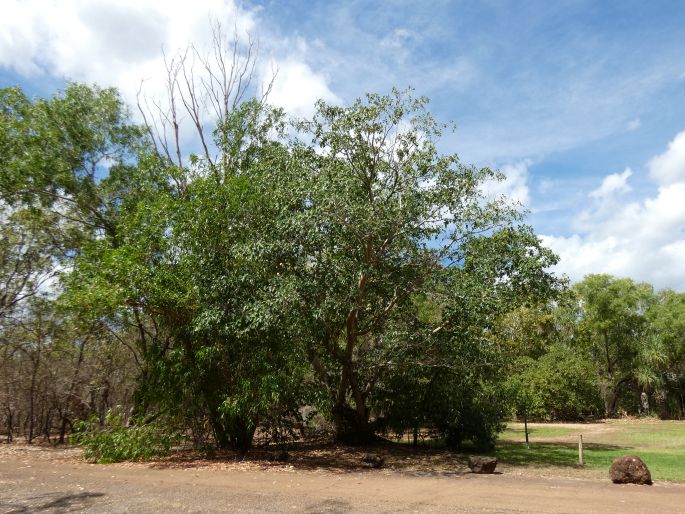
[[297, 87], [643, 239], [110, 41], [515, 184], [613, 184], [669, 167], [121, 43]]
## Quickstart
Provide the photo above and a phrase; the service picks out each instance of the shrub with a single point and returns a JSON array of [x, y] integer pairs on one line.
[[113, 442], [559, 386]]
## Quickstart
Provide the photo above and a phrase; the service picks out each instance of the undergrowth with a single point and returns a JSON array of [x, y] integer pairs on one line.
[[114, 442]]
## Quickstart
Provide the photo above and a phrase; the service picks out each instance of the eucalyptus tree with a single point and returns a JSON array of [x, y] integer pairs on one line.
[[65, 164], [388, 218], [56, 152], [614, 328], [500, 271], [25, 260], [662, 366], [225, 289]]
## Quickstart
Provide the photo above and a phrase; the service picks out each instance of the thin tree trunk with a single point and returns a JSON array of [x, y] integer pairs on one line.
[[63, 430], [47, 425], [10, 428], [32, 405], [70, 395]]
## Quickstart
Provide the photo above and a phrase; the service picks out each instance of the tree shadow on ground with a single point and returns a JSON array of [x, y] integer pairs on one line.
[[330, 457], [552, 454], [398, 457], [53, 502]]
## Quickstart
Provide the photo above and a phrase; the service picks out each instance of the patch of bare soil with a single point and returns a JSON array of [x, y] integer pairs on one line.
[[324, 457], [588, 430], [320, 478], [317, 457]]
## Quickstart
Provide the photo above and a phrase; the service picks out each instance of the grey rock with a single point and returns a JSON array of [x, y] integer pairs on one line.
[[371, 460], [484, 465]]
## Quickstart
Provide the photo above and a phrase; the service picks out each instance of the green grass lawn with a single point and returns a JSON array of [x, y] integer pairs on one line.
[[660, 444], [538, 432]]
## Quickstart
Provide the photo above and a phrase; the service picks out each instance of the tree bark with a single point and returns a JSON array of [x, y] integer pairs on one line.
[[351, 425], [62, 430], [10, 428]]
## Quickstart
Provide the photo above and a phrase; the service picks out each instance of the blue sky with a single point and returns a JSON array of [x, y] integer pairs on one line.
[[580, 103]]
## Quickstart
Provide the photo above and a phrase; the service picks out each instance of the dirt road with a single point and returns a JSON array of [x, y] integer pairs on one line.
[[40, 481]]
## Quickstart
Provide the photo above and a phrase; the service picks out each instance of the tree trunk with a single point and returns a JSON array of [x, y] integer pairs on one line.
[[31, 411], [609, 403], [47, 425], [220, 433], [351, 424], [237, 433], [242, 433], [10, 428], [63, 430]]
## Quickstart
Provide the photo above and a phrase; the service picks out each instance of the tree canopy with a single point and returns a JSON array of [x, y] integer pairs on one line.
[[338, 264]]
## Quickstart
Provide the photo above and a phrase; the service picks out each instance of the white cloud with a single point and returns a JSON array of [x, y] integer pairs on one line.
[[546, 185], [612, 185], [644, 239], [297, 87], [110, 42], [515, 184], [121, 42], [669, 167]]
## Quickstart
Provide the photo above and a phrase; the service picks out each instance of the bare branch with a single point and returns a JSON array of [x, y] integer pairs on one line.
[[205, 87]]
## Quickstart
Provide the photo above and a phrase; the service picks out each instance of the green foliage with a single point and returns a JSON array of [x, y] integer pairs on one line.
[[662, 365], [387, 219], [56, 153], [469, 414], [560, 385], [607, 334], [342, 262], [614, 330], [114, 442]]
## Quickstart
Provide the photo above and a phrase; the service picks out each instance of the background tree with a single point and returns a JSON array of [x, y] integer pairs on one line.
[[549, 371], [613, 327], [662, 365], [54, 156]]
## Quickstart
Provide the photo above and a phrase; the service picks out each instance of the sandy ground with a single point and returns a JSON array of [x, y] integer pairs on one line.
[[35, 479]]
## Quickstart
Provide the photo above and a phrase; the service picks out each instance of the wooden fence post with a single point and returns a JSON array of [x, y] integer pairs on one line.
[[580, 450]]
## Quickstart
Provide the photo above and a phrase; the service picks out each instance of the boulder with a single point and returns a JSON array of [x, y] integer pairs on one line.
[[479, 464], [371, 460], [629, 469]]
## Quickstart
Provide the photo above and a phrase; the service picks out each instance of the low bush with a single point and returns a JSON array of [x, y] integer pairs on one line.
[[114, 442]]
